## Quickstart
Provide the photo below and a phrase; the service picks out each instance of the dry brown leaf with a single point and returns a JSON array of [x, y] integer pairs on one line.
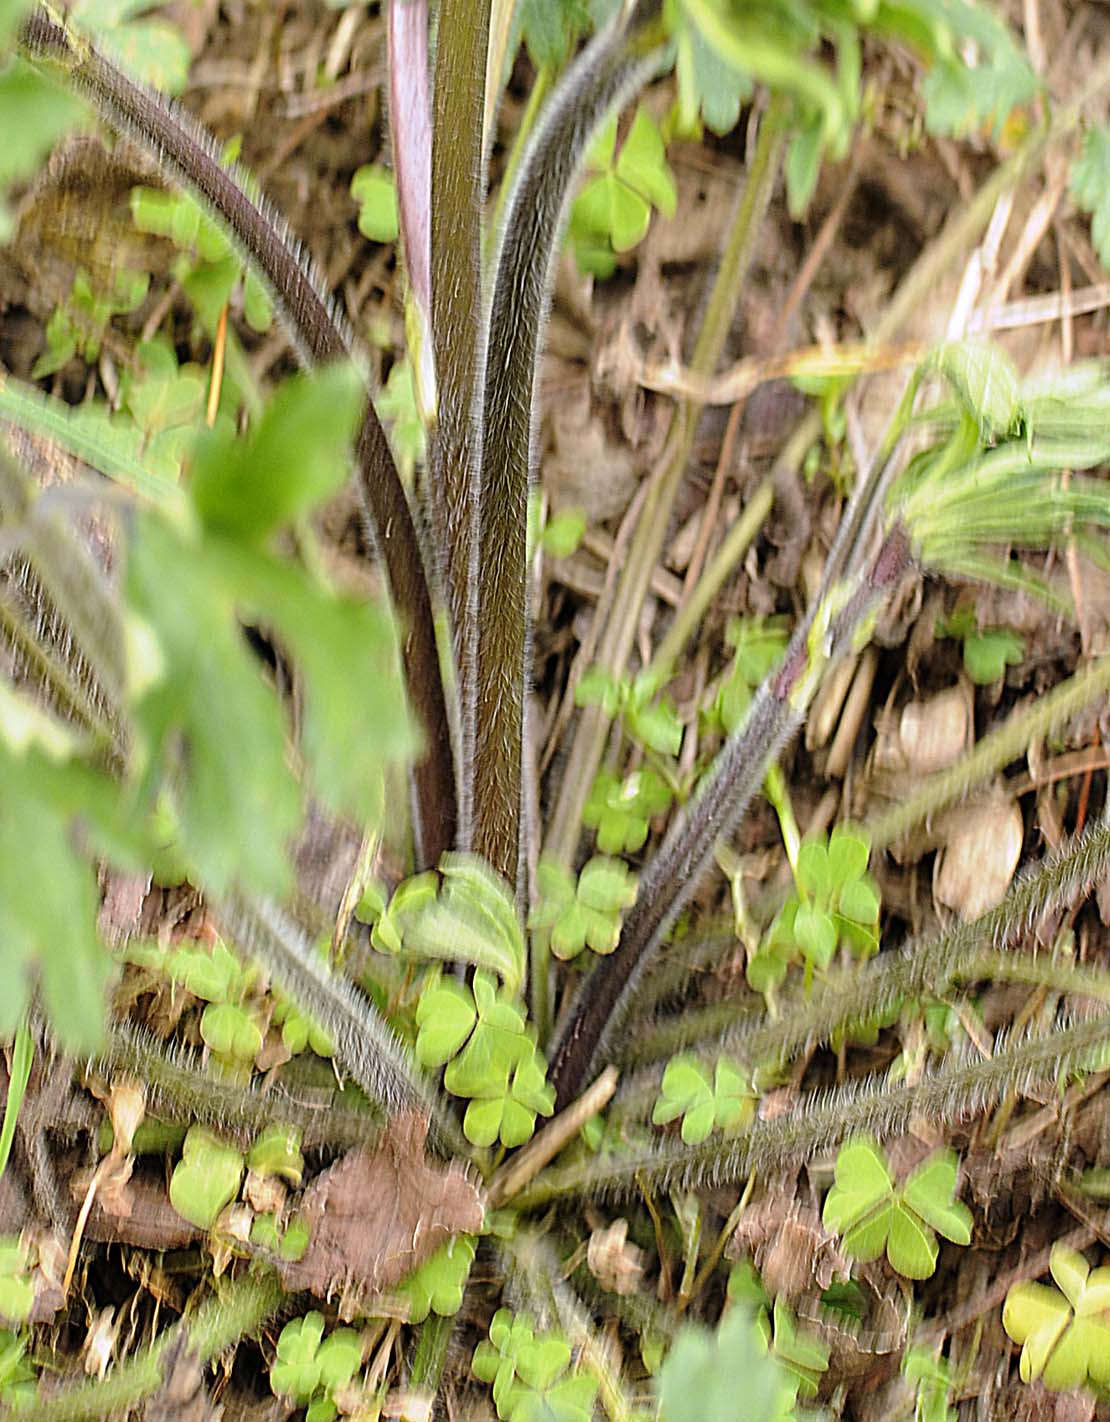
[[616, 1264], [981, 851], [379, 1213]]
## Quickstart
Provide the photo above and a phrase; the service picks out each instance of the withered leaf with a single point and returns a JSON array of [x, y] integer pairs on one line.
[[379, 1213]]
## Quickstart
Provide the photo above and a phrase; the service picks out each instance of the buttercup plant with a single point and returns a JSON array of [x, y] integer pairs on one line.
[[136, 729]]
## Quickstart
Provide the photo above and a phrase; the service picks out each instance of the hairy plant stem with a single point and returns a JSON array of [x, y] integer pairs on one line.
[[180, 1086], [1042, 717], [75, 586], [776, 714], [611, 67], [240, 1308], [651, 530], [189, 155], [365, 1044], [923, 967], [455, 451], [823, 1121]]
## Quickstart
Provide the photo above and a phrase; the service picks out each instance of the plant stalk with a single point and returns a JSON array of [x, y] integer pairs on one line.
[[455, 452], [189, 154], [238, 1309], [611, 67]]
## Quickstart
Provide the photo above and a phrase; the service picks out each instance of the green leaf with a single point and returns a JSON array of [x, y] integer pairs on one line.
[[153, 50], [699, 1378], [34, 114], [48, 906], [438, 1285], [642, 164], [563, 533], [297, 456], [373, 188], [210, 725], [295, 1372], [985, 379], [815, 933], [1090, 187], [230, 1031], [340, 1357], [445, 1015], [206, 1178], [960, 98], [802, 167], [550, 27], [277, 1151]]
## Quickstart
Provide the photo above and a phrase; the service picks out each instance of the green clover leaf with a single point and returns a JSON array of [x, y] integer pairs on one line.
[[872, 1215], [620, 810], [206, 1178], [1064, 1333], [438, 1285], [295, 1373]]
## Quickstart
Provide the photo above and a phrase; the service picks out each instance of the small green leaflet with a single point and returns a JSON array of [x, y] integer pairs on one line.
[[1090, 187], [549, 28], [986, 381], [373, 188]]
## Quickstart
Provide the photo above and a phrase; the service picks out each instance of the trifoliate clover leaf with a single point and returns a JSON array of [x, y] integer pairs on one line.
[[1064, 1335], [615, 206], [873, 1215], [620, 810], [438, 1285], [206, 1178], [725, 1103], [295, 1372], [586, 914]]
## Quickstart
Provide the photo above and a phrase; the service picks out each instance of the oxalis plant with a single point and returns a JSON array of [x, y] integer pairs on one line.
[[482, 1096]]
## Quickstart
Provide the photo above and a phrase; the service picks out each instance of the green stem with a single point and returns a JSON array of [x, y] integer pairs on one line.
[[180, 1086], [364, 1042], [240, 1308], [1074, 979], [924, 966], [775, 715], [1041, 718], [430, 1357], [643, 555], [821, 1123]]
